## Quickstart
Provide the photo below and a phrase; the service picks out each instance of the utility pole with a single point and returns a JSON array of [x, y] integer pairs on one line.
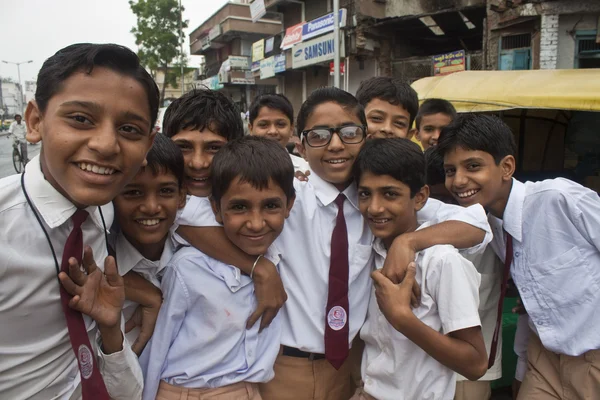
[[18, 64], [181, 48], [336, 43]]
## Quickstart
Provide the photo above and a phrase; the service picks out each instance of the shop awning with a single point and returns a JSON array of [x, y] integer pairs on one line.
[[477, 91]]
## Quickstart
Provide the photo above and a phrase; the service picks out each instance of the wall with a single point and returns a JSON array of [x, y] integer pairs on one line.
[[356, 75], [549, 41], [567, 24], [408, 7]]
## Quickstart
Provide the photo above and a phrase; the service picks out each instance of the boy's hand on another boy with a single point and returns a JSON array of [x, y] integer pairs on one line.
[[394, 300], [400, 254], [145, 318], [96, 294], [302, 176], [269, 292]]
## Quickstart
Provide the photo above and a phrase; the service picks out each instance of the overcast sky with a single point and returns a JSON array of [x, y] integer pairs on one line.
[[36, 29]]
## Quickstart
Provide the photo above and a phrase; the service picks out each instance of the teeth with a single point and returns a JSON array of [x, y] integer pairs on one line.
[[149, 222], [199, 179], [380, 220], [468, 193], [337, 161], [96, 169]]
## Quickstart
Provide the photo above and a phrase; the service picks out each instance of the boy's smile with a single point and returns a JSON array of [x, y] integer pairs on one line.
[[333, 162], [252, 218], [146, 209], [386, 120], [272, 124], [95, 134], [198, 148]]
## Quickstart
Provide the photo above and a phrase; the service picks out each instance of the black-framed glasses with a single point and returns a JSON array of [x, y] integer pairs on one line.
[[320, 137]]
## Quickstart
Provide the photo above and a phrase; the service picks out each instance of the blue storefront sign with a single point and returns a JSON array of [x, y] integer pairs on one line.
[[315, 51], [322, 25], [279, 63]]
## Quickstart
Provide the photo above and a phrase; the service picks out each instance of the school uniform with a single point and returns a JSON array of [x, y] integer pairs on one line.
[[300, 164], [395, 368], [130, 259], [553, 227], [302, 371], [36, 358], [490, 268], [201, 347]]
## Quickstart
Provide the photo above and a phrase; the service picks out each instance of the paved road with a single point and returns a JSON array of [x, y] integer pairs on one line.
[[6, 165]]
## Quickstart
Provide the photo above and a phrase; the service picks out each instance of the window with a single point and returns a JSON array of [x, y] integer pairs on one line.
[[515, 52], [587, 51]]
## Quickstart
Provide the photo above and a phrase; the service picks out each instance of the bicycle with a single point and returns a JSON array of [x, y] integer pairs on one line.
[[17, 156]]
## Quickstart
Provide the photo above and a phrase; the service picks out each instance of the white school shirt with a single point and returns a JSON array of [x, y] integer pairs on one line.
[[300, 164], [36, 358], [306, 244], [130, 259], [555, 225], [200, 339], [395, 368], [490, 268]]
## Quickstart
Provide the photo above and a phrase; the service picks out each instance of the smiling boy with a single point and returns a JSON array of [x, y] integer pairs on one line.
[[94, 109], [433, 116]]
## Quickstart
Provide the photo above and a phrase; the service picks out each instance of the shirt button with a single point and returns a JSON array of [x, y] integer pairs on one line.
[[517, 254]]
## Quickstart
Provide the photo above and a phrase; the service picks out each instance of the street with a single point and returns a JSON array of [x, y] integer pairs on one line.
[[6, 149]]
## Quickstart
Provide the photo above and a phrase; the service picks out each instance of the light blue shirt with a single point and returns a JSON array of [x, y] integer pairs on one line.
[[201, 340], [555, 225]]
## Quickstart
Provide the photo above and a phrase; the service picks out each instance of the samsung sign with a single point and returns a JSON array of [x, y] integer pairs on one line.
[[315, 51]]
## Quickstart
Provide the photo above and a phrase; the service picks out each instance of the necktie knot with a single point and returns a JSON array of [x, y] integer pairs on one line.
[[78, 218], [339, 201]]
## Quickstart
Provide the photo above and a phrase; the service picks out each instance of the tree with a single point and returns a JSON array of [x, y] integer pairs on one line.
[[158, 37]]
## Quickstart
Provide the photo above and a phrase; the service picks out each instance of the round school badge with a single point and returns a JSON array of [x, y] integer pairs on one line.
[[337, 318], [86, 361]]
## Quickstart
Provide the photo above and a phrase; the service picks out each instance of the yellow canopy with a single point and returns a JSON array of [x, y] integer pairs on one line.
[[477, 91]]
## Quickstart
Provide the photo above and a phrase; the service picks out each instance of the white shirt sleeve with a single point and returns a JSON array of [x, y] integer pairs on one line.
[[436, 211], [587, 217], [11, 127], [521, 341], [453, 283], [197, 212], [168, 324], [121, 372]]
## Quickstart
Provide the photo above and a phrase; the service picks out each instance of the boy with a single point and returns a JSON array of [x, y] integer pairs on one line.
[[328, 287], [94, 110], [201, 347], [433, 116], [443, 334], [490, 268], [551, 247], [390, 106], [272, 116], [145, 211]]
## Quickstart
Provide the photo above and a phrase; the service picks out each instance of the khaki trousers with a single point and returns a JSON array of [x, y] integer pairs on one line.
[[302, 379], [557, 376], [473, 390], [237, 391]]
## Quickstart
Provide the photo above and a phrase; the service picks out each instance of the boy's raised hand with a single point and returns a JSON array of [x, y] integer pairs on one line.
[[399, 256], [394, 300], [96, 294]]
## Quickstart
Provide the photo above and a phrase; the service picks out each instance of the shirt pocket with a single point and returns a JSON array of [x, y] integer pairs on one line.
[[563, 281]]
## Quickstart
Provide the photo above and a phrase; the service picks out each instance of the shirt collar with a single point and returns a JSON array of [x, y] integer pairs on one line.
[[128, 257], [327, 193], [54, 208], [513, 213]]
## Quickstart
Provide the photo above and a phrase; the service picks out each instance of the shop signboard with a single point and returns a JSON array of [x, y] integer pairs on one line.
[[279, 63], [293, 35], [267, 68], [315, 51], [322, 25], [444, 64], [257, 10], [258, 50]]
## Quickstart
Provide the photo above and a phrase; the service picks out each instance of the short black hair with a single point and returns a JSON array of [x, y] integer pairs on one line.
[[434, 174], [400, 158], [329, 95], [165, 157], [85, 57], [435, 106], [202, 109], [273, 101], [478, 132], [255, 160], [392, 90]]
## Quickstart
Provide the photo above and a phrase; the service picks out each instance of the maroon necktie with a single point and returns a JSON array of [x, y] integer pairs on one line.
[[92, 385], [507, 261], [338, 315]]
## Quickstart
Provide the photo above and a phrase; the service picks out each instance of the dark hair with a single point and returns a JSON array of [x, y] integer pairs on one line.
[[327, 95], [202, 109], [255, 160], [399, 158], [434, 174], [165, 157], [273, 101], [85, 57], [392, 90], [18, 115], [435, 106], [486, 133]]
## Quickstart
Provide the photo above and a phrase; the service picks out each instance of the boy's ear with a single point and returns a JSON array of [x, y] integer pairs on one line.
[[33, 121], [508, 165], [301, 149], [290, 204], [249, 128], [421, 197], [151, 142], [216, 210], [413, 133]]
